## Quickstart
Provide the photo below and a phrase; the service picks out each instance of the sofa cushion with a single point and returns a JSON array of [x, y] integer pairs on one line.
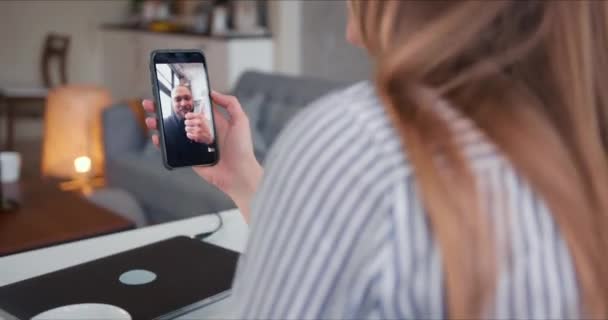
[[298, 91], [276, 116], [121, 202], [121, 131], [252, 105], [175, 194], [283, 95]]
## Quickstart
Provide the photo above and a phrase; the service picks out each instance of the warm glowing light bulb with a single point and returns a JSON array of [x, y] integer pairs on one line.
[[82, 164]]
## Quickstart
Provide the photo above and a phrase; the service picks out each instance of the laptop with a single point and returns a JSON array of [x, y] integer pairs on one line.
[[161, 280]]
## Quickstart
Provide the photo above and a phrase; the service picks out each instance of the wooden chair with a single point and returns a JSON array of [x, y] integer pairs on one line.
[[55, 49]]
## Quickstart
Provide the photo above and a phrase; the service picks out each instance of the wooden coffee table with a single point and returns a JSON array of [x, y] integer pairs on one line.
[[48, 216]]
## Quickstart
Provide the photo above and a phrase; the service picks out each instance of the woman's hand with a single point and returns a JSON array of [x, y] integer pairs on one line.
[[237, 173]]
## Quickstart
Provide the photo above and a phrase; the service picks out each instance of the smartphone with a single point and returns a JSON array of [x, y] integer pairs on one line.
[[183, 106]]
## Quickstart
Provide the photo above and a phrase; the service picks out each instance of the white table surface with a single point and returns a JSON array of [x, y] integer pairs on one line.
[[232, 235]]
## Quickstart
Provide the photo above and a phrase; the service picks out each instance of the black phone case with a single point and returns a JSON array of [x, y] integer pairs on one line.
[[190, 274], [159, 122]]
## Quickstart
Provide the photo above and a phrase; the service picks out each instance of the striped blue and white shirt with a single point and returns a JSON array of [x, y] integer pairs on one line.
[[338, 229]]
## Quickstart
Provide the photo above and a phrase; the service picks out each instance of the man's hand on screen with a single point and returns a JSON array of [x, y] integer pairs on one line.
[[197, 128]]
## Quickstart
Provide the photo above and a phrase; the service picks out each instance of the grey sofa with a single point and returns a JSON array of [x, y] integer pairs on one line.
[[135, 165]]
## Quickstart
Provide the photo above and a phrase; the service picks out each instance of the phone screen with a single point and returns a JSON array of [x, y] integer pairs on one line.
[[184, 105]]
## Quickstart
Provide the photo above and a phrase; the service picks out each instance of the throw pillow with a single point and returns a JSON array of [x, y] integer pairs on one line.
[[252, 105], [278, 114]]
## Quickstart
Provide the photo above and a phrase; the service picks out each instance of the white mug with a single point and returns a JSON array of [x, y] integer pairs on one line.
[[10, 166]]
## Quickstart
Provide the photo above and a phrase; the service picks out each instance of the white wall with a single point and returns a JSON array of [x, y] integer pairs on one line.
[[285, 22], [324, 50], [24, 24], [308, 35], [310, 40]]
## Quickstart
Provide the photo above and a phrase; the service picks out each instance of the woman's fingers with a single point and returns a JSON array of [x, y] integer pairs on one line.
[[148, 105], [155, 140], [151, 123]]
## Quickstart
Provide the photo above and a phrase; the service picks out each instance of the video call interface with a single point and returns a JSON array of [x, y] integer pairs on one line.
[[186, 113]]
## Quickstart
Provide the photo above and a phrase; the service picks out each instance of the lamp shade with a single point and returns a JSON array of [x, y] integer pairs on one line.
[[72, 129]]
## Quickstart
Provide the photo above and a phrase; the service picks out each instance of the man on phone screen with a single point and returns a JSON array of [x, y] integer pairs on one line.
[[187, 133]]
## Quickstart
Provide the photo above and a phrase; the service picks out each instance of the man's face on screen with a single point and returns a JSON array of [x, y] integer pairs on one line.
[[181, 98]]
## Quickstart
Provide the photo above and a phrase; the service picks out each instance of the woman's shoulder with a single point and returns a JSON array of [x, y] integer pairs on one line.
[[358, 104], [350, 118], [326, 209]]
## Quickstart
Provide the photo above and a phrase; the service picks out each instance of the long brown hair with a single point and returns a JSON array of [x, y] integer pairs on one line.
[[531, 76]]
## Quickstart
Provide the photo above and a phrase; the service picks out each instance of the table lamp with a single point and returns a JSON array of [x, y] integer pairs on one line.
[[73, 146]]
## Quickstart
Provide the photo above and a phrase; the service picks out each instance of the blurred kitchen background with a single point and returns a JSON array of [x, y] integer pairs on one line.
[[73, 74], [109, 43]]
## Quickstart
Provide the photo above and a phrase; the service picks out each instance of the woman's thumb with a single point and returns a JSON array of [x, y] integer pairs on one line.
[[230, 103]]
